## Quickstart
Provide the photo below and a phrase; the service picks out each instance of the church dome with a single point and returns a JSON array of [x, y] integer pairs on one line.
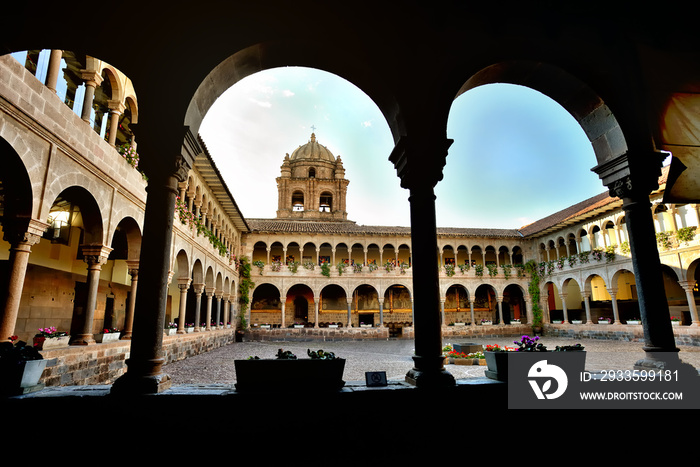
[[312, 151]]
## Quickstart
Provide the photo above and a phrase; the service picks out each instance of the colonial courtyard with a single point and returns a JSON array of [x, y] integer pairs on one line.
[[116, 221]]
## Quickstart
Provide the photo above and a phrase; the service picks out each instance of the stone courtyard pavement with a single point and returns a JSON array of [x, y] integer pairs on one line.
[[393, 357]]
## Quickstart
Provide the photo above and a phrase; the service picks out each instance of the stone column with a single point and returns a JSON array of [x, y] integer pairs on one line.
[[499, 301], [183, 284], [587, 304], [528, 310], [613, 295], [688, 287], [144, 373], [133, 267], [210, 295], [92, 80], [419, 165], [284, 312], [381, 312], [95, 256], [21, 243], [632, 180], [471, 311], [54, 69], [198, 290], [316, 300], [115, 110], [442, 311], [564, 307], [217, 316], [225, 317], [349, 312]]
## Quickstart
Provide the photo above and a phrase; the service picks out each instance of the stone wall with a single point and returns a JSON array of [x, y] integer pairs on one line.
[[319, 334], [684, 335], [104, 363]]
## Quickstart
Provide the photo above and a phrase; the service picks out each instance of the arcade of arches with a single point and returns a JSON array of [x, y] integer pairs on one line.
[[114, 215]]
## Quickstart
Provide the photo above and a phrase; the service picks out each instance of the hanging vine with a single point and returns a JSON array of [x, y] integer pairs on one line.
[[533, 288], [244, 287]]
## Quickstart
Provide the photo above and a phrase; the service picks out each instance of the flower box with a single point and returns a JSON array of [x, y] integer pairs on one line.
[[170, 331], [23, 378], [332, 325], [264, 326], [633, 321], [298, 326], [603, 321], [305, 374], [103, 338], [500, 364], [365, 325], [557, 321], [189, 329], [48, 343], [576, 321], [675, 323], [459, 324], [486, 323], [497, 365]]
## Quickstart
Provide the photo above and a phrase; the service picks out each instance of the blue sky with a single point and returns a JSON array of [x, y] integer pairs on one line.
[[517, 155]]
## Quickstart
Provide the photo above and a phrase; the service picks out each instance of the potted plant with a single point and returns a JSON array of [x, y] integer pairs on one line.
[[634, 321], [107, 335], [497, 361], [602, 320], [21, 367], [171, 329], [486, 322], [322, 371], [50, 338], [675, 321], [189, 327]]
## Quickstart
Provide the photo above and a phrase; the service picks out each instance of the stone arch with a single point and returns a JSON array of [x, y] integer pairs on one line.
[[293, 253], [358, 253], [308, 253], [300, 300], [197, 272], [84, 212], [485, 301], [125, 240], [209, 278], [274, 54], [259, 252], [514, 307], [265, 304], [15, 187], [583, 103]]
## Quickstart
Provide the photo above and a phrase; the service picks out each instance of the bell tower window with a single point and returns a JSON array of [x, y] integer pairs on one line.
[[297, 201], [312, 173], [325, 202]]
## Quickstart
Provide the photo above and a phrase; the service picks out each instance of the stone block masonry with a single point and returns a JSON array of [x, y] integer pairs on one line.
[[104, 363]]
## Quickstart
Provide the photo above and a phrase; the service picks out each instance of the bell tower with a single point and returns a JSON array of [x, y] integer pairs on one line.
[[312, 184]]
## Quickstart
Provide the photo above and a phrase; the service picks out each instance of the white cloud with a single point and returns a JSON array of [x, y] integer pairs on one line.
[[265, 104], [366, 123], [287, 93]]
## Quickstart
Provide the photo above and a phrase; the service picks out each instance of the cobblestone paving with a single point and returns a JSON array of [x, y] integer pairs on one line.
[[393, 357]]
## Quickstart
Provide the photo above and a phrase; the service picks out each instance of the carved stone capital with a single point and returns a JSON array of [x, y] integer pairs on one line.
[[95, 255], [24, 232], [133, 268], [419, 162]]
